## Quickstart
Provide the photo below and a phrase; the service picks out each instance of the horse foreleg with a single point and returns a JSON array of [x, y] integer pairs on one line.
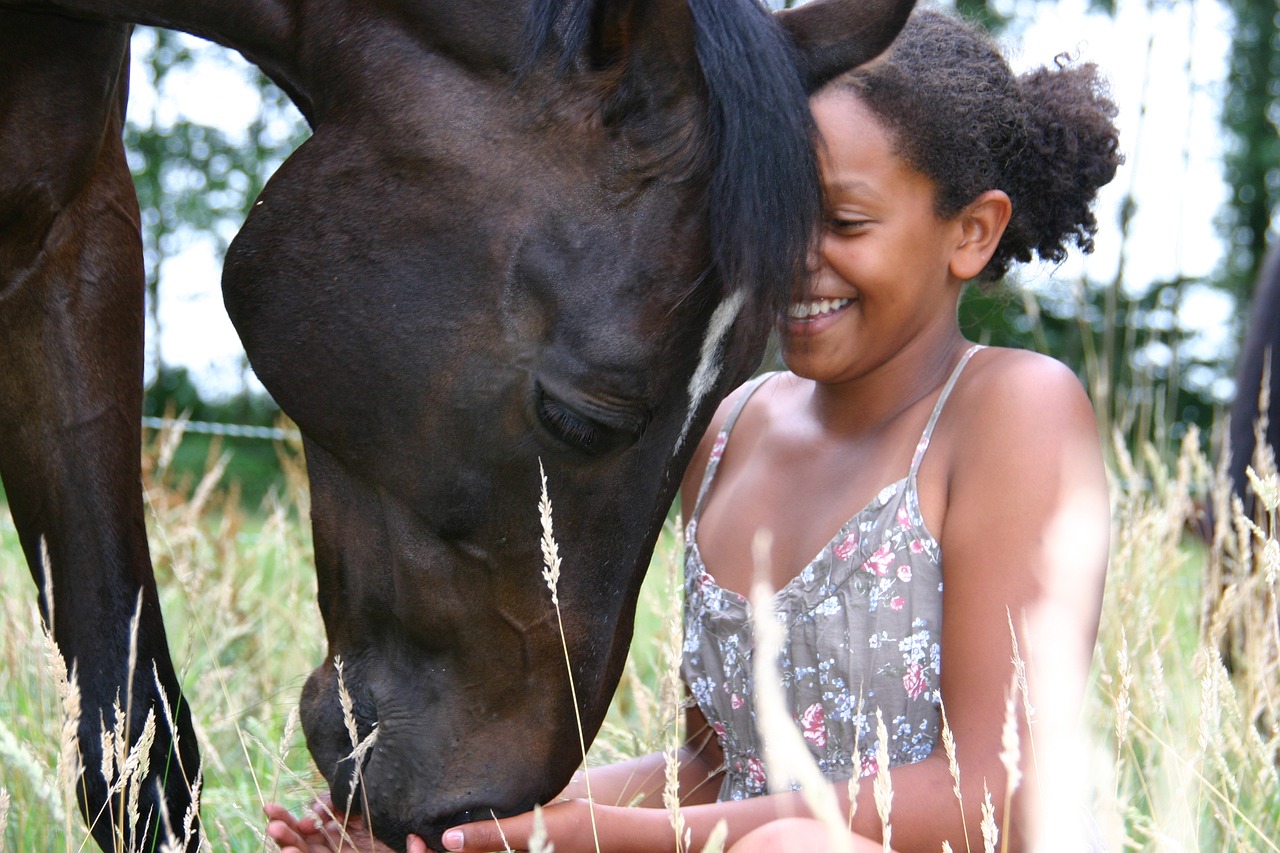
[[71, 351]]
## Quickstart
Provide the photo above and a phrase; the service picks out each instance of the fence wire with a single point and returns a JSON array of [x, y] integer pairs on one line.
[[232, 430]]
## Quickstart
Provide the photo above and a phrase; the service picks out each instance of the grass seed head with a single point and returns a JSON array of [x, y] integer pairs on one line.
[[347, 704], [550, 550], [716, 838], [1122, 697], [990, 832], [538, 842], [1266, 488], [882, 787], [137, 765]]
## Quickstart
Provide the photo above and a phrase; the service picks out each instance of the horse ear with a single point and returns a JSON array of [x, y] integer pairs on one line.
[[832, 36], [643, 42], [613, 29], [602, 31]]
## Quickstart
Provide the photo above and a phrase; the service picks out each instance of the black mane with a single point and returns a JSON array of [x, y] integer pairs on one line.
[[765, 202]]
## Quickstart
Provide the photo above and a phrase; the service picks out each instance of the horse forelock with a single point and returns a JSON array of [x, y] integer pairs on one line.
[[765, 197], [765, 202]]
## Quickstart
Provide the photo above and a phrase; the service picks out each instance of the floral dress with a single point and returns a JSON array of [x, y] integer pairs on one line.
[[862, 624]]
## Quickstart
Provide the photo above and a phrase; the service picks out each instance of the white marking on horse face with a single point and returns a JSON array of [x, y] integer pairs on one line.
[[704, 378]]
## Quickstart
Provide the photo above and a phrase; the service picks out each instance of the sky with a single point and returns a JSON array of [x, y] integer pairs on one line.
[[1166, 61]]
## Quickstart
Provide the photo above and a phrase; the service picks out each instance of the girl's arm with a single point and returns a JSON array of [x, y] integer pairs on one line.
[[641, 781], [626, 810], [1024, 542]]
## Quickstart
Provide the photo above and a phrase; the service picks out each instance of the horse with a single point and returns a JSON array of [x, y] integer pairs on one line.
[[1256, 379], [527, 245]]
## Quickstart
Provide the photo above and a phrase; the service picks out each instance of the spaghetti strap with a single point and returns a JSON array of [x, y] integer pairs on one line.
[[923, 445], [722, 438]]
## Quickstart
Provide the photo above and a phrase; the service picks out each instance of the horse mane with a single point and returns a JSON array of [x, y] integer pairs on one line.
[[765, 199]]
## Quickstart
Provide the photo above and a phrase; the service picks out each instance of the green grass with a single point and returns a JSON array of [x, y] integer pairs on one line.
[[1183, 753]]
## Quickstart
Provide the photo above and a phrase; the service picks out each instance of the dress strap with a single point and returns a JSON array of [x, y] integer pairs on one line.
[[722, 439], [937, 410]]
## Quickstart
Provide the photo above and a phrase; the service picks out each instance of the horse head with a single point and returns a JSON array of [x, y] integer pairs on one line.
[[507, 249]]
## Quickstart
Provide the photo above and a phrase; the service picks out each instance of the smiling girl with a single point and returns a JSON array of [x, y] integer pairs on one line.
[[935, 509]]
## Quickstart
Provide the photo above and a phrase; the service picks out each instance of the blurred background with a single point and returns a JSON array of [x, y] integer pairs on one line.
[[1182, 714], [1152, 319]]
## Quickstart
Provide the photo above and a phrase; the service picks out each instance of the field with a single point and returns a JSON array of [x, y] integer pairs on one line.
[[1183, 748]]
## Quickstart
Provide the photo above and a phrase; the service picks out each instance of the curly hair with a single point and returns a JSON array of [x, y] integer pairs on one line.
[[960, 117]]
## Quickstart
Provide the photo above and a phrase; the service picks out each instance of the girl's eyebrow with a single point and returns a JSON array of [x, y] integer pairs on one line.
[[852, 187]]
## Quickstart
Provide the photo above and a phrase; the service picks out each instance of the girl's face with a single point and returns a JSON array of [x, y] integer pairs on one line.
[[880, 276]]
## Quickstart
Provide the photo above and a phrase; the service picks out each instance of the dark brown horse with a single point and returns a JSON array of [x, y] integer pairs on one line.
[[551, 232], [1260, 349]]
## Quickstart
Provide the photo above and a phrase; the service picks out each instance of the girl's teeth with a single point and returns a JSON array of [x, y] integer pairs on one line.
[[804, 310]]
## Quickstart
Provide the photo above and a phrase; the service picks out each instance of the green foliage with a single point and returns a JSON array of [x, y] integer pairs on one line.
[[1250, 118], [196, 177], [1154, 364], [194, 180], [174, 391], [982, 11]]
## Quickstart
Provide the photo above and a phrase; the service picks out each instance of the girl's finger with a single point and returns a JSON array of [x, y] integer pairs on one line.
[[283, 834], [485, 836]]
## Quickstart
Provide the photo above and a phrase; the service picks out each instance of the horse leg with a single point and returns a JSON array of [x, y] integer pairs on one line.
[[71, 357], [1259, 357]]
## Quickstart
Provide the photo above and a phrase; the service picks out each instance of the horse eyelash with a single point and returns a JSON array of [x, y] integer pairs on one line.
[[565, 424]]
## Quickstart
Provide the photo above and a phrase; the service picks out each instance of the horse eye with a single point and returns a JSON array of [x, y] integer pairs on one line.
[[566, 424]]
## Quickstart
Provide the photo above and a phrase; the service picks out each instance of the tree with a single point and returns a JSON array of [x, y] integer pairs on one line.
[[194, 180]]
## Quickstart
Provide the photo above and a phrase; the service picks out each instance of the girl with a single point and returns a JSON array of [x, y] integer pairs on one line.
[[954, 495]]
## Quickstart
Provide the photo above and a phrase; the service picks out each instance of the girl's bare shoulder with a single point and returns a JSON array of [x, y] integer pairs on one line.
[[1018, 405], [1016, 388]]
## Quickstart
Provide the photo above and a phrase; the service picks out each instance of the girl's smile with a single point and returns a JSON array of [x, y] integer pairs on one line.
[[815, 308], [812, 316]]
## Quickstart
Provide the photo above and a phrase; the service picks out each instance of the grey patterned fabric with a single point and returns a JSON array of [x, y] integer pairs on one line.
[[862, 627]]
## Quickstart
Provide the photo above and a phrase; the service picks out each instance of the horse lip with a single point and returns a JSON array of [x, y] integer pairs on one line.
[[433, 832]]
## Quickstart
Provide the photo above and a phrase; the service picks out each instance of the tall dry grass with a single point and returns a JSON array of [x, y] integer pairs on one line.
[[1181, 714], [239, 598], [1183, 707]]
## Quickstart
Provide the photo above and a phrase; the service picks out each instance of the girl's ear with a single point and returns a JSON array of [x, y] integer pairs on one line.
[[982, 224]]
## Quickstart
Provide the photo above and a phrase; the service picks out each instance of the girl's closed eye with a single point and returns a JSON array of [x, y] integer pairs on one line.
[[847, 224]]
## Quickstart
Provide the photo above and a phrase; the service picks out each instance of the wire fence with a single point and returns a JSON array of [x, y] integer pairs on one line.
[[231, 430]]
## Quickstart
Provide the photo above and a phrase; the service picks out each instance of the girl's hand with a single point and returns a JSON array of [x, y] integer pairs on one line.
[[327, 831], [568, 826]]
